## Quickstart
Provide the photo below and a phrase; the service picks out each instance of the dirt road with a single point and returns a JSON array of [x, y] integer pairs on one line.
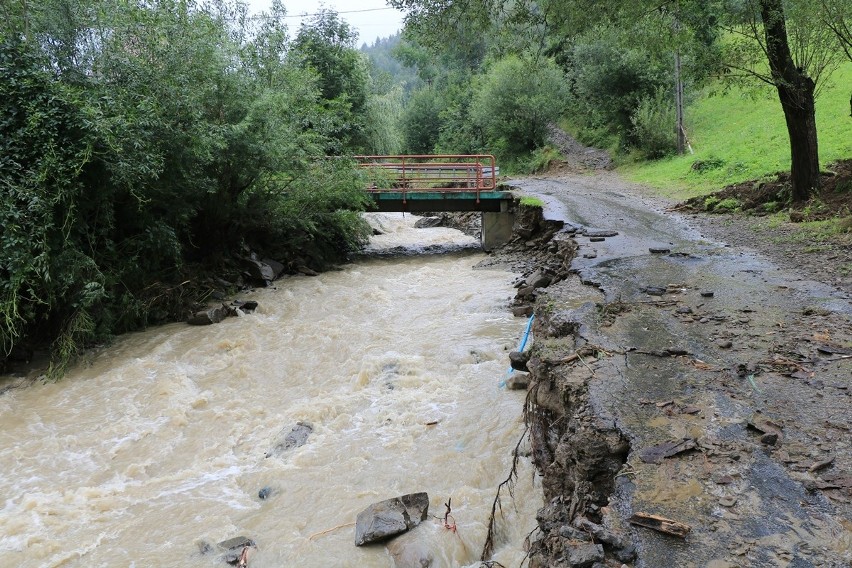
[[686, 378]]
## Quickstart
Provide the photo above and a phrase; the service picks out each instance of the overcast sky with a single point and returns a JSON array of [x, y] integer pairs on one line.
[[380, 21]]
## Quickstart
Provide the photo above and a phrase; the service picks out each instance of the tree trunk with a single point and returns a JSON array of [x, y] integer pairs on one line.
[[796, 92]]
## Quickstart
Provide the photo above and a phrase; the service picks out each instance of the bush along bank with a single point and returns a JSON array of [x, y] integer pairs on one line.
[[131, 166]]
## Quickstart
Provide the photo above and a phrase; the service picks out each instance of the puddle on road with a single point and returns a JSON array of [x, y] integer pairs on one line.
[[662, 486]]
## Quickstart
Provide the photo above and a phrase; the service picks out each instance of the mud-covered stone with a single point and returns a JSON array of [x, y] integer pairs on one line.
[[276, 267], [428, 222], [518, 381], [539, 279], [600, 233], [655, 454], [526, 293], [583, 555], [390, 517], [524, 311], [233, 548], [208, 316], [287, 440], [519, 360], [245, 306], [259, 271]]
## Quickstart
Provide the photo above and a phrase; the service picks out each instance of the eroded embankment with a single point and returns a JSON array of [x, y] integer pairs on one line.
[[693, 388], [577, 454]]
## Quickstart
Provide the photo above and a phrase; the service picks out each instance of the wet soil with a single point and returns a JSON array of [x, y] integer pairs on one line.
[[680, 373], [816, 254]]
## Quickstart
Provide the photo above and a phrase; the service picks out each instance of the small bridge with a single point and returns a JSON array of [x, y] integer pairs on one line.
[[421, 183]]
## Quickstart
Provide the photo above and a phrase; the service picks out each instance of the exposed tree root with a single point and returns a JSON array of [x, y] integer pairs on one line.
[[509, 484]]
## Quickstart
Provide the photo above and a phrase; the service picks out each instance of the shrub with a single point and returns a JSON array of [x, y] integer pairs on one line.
[[541, 159], [529, 201], [608, 82], [710, 203], [708, 164], [516, 100], [728, 205], [136, 155], [653, 122], [421, 123]]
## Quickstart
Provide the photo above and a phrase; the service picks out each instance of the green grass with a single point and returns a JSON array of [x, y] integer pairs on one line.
[[531, 201], [739, 136], [812, 235]]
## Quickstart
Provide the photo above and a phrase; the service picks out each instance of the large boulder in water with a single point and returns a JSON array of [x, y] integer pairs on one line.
[[519, 359], [390, 517], [429, 545], [258, 271], [234, 549], [277, 267]]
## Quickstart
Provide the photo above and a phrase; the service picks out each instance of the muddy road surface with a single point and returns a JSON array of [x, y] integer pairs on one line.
[[690, 402]]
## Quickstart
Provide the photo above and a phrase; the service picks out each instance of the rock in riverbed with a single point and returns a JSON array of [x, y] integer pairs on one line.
[[236, 549], [208, 316], [390, 517], [519, 360], [297, 436]]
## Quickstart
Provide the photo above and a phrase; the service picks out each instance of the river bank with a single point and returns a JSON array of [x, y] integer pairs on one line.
[[686, 385]]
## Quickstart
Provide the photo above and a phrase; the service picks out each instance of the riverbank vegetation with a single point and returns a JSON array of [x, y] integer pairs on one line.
[[145, 141]]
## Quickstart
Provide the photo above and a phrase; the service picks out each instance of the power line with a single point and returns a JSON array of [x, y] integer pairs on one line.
[[265, 16]]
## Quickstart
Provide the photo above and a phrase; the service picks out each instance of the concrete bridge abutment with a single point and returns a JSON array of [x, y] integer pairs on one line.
[[497, 227]]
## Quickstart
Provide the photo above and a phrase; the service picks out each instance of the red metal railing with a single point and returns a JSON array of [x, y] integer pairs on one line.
[[430, 173]]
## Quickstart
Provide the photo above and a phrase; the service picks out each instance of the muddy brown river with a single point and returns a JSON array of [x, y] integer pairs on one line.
[[155, 445]]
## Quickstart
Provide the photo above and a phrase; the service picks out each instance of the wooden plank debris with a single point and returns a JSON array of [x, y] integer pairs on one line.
[[660, 524], [657, 453]]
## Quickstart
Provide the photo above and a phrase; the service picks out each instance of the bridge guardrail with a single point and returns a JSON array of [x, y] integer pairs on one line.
[[430, 173]]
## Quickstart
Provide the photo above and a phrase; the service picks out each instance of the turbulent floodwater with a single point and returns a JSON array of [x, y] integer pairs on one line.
[[157, 444]]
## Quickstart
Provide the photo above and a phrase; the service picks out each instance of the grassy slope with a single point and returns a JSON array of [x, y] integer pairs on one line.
[[747, 133]]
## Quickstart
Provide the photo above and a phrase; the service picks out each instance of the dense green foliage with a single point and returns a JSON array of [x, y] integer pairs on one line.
[[143, 137], [515, 101], [138, 137], [623, 62]]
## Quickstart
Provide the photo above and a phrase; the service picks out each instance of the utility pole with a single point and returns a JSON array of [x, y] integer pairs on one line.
[[26, 19], [681, 139]]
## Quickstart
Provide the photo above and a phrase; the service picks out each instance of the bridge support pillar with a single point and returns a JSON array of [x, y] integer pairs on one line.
[[497, 227]]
